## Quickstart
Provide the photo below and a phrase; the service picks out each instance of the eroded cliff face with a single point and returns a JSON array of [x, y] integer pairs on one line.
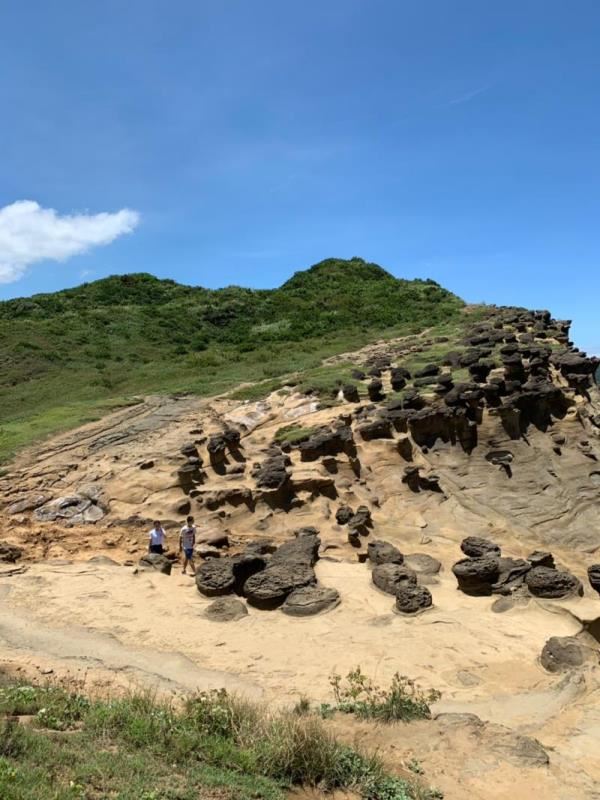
[[502, 427]]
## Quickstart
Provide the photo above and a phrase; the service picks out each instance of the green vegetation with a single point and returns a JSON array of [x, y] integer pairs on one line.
[[403, 700], [64, 355], [140, 748], [294, 434]]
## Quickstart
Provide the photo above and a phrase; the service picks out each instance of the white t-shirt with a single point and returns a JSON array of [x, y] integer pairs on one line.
[[188, 536], [156, 536]]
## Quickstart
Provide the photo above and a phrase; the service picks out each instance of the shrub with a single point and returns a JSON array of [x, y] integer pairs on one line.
[[402, 700]]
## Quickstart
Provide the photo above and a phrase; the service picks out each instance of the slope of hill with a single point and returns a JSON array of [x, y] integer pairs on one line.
[[66, 356]]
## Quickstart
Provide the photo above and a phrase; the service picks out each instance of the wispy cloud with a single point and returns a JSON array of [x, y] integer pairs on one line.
[[467, 96], [30, 234]]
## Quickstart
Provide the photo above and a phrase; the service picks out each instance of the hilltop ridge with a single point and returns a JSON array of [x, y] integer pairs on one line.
[[65, 354]]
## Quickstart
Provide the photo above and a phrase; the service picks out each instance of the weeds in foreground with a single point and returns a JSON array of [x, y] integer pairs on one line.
[[402, 700], [141, 747]]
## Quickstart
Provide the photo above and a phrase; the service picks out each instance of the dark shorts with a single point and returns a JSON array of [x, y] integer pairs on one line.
[[188, 552], [157, 548]]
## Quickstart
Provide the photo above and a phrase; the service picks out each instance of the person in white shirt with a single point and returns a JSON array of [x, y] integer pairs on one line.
[[157, 538], [187, 540]]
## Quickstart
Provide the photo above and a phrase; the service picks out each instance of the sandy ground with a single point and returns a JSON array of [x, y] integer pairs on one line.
[[108, 623]]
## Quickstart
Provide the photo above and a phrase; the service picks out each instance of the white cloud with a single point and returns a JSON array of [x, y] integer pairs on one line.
[[30, 233]]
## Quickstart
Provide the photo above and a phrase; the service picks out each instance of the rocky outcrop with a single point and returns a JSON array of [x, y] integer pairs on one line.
[[413, 599], [269, 589], [476, 547], [476, 576], [310, 600], [552, 583], [380, 552], [390, 577]]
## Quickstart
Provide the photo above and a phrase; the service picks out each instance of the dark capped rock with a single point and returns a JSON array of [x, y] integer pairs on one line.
[[350, 393], [269, 589], [375, 390], [303, 550], [328, 443], [361, 521], [358, 375], [413, 599], [476, 576], [272, 473], [343, 515], [594, 577], [476, 547], [428, 371], [552, 583], [215, 577], [310, 600], [541, 558], [377, 429], [380, 552], [390, 577]]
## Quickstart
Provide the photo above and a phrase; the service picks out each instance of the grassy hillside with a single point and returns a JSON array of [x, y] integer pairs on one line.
[[68, 356]]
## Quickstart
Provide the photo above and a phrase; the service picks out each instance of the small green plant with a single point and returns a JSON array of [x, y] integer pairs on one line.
[[302, 707], [294, 434], [402, 700]]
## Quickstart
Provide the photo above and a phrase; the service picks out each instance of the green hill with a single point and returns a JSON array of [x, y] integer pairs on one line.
[[67, 356]]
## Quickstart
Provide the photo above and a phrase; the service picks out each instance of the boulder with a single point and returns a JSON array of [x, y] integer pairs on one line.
[[413, 599], [428, 371], [343, 515], [269, 589], [261, 547], [328, 443], [10, 552], [215, 577], [541, 558], [350, 393], [476, 547], [422, 563], [361, 522], [272, 473], [476, 576], [380, 552], [358, 375], [377, 429], [303, 550], [244, 565], [594, 577], [157, 562], [390, 577], [375, 390], [310, 600], [552, 583], [563, 653], [226, 609]]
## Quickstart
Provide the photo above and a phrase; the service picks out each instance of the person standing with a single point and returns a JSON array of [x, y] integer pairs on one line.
[[187, 540], [157, 538]]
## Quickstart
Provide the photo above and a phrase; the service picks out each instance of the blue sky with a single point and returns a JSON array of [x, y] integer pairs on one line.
[[453, 140]]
